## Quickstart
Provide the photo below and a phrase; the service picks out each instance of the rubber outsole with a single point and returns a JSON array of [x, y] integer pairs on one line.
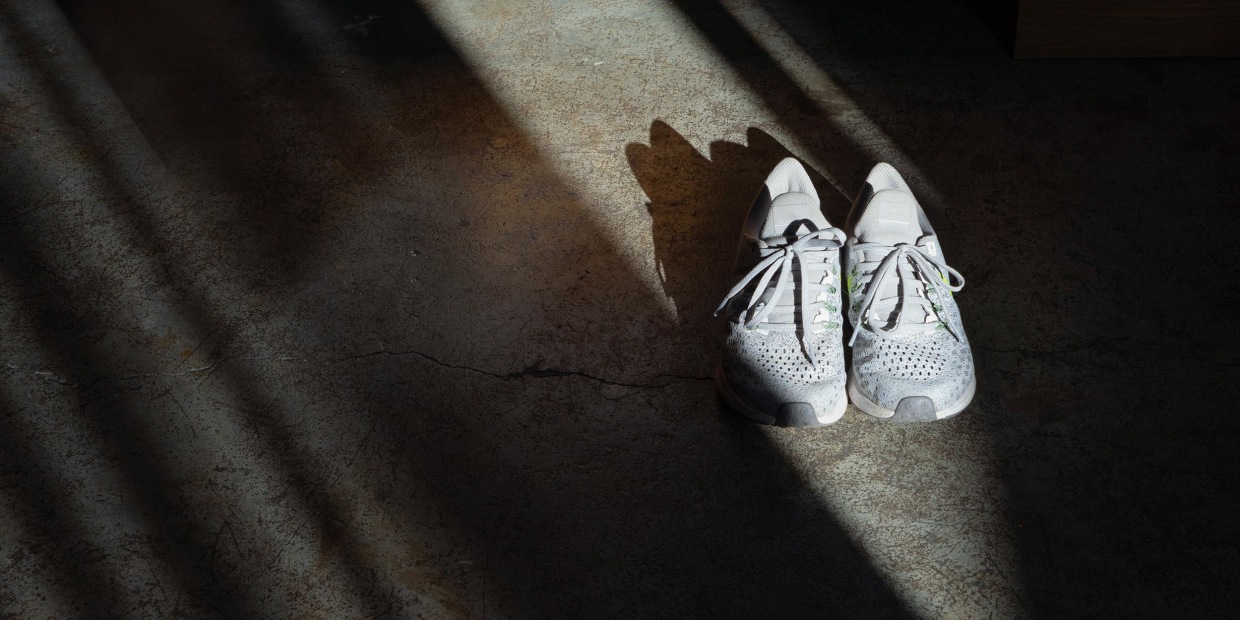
[[790, 415], [910, 409]]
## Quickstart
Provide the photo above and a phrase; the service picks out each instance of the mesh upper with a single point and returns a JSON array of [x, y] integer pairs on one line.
[[770, 369], [933, 363], [767, 368]]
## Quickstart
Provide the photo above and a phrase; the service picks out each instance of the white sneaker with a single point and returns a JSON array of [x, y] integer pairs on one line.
[[783, 363], [911, 360]]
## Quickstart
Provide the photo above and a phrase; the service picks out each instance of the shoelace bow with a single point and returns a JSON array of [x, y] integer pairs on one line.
[[806, 250], [902, 259]]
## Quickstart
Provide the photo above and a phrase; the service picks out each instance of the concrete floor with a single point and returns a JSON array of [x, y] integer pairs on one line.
[[402, 309]]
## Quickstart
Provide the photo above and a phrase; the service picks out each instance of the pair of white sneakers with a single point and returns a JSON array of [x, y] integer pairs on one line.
[[783, 362]]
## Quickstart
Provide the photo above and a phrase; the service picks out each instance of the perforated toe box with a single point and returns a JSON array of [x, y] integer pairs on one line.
[[935, 365], [770, 369]]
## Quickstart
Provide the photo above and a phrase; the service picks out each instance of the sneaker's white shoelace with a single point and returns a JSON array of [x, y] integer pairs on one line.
[[809, 249], [913, 265]]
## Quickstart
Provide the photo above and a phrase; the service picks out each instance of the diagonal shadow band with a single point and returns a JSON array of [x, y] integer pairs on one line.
[[706, 517], [127, 428]]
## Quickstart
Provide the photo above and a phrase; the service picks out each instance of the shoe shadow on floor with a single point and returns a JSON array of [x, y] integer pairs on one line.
[[697, 205]]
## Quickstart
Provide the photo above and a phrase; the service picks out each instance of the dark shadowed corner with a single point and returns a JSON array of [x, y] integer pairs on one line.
[[1067, 186]]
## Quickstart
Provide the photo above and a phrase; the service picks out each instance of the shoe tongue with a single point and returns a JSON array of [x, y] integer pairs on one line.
[[792, 215], [890, 218]]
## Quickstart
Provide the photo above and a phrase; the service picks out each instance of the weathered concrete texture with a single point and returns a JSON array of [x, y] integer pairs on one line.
[[402, 309]]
